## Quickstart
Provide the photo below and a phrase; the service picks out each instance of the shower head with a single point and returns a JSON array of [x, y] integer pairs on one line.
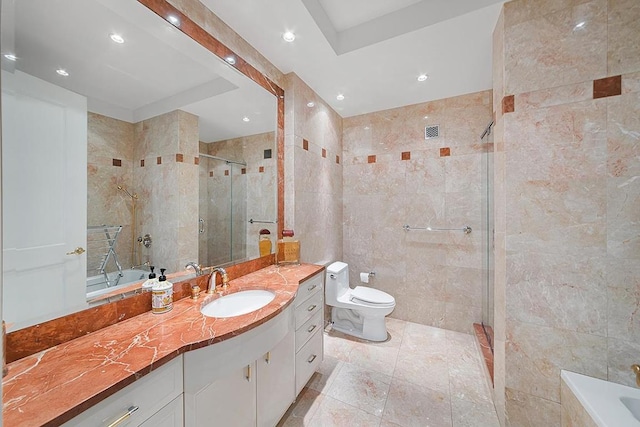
[[133, 196]]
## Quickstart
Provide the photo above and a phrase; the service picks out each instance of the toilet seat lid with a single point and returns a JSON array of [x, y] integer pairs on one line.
[[371, 295]]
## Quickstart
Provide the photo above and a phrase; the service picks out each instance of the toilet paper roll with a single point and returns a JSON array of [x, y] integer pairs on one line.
[[364, 277]]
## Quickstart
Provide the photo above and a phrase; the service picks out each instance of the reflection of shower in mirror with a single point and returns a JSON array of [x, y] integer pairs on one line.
[[134, 261]]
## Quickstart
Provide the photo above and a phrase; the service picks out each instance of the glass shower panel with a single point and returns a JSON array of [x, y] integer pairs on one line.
[[488, 235]]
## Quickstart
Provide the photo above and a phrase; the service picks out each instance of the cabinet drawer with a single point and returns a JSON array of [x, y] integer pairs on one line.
[[150, 394], [310, 307], [307, 360], [309, 287], [172, 415], [306, 331]]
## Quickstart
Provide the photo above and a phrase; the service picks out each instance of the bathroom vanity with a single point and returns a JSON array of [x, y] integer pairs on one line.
[[181, 368]]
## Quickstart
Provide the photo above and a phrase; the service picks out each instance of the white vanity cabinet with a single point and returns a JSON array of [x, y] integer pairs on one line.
[[157, 397], [243, 381], [275, 382], [309, 320]]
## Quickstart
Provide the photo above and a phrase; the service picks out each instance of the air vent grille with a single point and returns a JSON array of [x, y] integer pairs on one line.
[[431, 132]]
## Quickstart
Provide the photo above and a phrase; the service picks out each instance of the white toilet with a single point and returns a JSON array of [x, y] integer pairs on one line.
[[359, 312]]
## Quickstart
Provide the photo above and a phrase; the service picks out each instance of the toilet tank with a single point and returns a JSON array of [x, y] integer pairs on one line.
[[337, 281]]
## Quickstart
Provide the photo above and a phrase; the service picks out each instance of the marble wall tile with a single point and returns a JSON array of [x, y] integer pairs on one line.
[[109, 139], [573, 413], [621, 354], [623, 135], [623, 285], [498, 63], [536, 354], [624, 36], [525, 410], [623, 225], [571, 93], [427, 190], [313, 184], [524, 10], [567, 292], [549, 51], [631, 82]]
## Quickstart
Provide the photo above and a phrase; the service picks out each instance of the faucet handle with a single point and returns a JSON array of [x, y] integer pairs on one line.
[[636, 370]]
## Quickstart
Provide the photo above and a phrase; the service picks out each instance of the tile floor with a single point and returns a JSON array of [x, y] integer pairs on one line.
[[422, 377]]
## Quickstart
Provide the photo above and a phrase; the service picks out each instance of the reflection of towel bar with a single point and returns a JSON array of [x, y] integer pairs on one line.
[[251, 221], [466, 229]]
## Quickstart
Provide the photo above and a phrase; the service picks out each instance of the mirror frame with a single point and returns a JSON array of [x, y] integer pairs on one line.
[[32, 339], [165, 10]]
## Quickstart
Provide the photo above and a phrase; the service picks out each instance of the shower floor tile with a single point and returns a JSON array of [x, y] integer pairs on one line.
[[420, 376]]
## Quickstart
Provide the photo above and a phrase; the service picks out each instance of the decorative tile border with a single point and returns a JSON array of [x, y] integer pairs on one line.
[[508, 104], [117, 162], [371, 158], [445, 152], [487, 353], [406, 155], [609, 86]]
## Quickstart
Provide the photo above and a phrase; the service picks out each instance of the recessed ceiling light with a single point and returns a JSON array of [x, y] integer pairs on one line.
[[231, 60], [422, 77], [246, 119], [579, 25], [117, 38], [289, 36], [10, 57], [174, 20], [310, 104], [62, 72], [340, 97]]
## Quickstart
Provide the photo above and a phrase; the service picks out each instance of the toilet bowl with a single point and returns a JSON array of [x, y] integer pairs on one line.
[[360, 311]]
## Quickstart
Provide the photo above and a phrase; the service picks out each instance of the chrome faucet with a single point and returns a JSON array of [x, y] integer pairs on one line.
[[195, 266], [212, 280]]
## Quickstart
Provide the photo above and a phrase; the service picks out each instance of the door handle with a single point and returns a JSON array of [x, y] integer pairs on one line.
[[77, 251]]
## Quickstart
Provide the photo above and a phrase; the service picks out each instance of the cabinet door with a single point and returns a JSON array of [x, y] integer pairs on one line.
[[276, 381], [228, 401]]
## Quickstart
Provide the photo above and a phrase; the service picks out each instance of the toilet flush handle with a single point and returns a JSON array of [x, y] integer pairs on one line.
[[332, 276]]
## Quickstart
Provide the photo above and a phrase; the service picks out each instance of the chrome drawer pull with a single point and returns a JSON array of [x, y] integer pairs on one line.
[[312, 287], [311, 359], [311, 328], [130, 411], [249, 373], [312, 307], [268, 358]]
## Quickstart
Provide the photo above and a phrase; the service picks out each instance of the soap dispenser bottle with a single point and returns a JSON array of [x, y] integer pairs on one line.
[[151, 281], [162, 295], [288, 249], [264, 243]]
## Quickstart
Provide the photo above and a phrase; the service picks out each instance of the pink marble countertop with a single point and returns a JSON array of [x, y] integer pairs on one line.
[[53, 386]]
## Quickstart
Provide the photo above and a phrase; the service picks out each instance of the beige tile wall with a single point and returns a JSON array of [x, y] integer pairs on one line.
[[168, 211], [313, 182], [109, 139], [567, 199], [435, 277]]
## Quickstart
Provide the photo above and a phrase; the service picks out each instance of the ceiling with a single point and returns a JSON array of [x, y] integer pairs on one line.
[[156, 70], [372, 51]]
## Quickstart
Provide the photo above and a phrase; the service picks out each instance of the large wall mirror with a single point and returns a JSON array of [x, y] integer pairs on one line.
[[126, 144]]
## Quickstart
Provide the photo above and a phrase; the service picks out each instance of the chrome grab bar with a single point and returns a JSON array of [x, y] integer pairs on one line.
[[251, 221], [466, 229]]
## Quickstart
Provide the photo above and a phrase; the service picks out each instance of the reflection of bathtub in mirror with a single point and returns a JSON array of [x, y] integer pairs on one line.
[[97, 286]]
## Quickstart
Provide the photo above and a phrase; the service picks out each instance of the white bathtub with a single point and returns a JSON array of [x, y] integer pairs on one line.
[[609, 404], [96, 285]]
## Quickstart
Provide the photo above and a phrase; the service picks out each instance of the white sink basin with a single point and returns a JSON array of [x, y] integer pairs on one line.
[[239, 303]]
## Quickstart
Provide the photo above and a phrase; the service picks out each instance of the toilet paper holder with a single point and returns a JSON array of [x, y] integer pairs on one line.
[[364, 276]]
